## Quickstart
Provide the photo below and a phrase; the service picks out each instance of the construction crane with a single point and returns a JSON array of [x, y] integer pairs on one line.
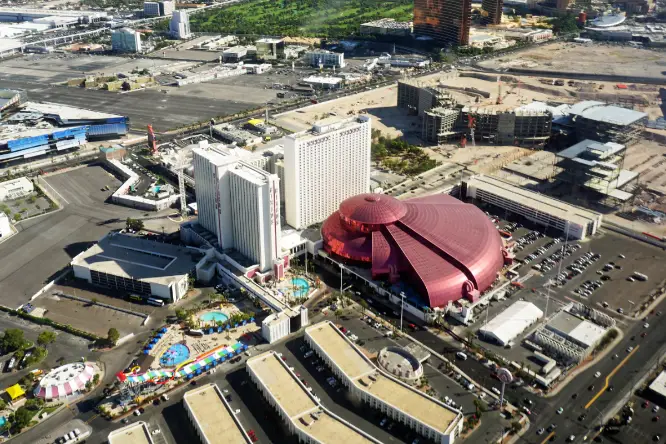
[[152, 141], [471, 122]]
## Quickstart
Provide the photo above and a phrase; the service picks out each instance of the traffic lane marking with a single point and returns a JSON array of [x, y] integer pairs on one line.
[[610, 375], [548, 437]]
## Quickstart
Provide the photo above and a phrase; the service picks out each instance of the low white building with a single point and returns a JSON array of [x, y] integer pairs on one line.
[[398, 401], [15, 188], [297, 406], [507, 325], [324, 82], [5, 227], [275, 327], [325, 59], [138, 266], [212, 416], [135, 433]]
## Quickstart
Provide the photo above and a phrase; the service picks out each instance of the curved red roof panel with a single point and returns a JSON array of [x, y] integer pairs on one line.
[[443, 247]]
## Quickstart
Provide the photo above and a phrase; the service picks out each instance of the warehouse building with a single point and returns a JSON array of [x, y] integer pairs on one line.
[[136, 433], [510, 323], [15, 188], [573, 333], [212, 416], [301, 411], [138, 266], [658, 386], [573, 221], [398, 401]]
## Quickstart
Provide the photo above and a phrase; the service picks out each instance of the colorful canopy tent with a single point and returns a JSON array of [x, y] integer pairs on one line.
[[15, 392], [64, 381], [196, 367]]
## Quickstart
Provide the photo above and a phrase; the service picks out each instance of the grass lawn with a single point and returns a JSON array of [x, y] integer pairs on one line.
[[307, 18]]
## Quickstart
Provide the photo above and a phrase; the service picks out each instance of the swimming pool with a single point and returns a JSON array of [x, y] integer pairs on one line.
[[3, 420], [214, 317], [174, 355], [301, 287]]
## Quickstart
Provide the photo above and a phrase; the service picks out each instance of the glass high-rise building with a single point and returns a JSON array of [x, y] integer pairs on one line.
[[445, 21]]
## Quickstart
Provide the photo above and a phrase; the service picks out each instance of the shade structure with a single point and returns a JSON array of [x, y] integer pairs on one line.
[[446, 249], [64, 381]]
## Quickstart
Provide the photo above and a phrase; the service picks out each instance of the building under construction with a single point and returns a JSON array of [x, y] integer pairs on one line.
[[607, 123], [512, 127], [492, 12], [418, 97], [444, 21], [444, 120]]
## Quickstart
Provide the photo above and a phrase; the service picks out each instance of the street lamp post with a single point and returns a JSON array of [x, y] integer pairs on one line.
[[402, 307]]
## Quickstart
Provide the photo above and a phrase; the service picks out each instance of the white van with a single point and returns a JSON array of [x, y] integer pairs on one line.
[[462, 356]]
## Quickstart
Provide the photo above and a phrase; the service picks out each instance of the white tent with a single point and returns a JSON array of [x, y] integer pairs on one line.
[[511, 322]]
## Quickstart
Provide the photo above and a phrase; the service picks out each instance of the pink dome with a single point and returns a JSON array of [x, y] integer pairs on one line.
[[373, 209], [445, 248]]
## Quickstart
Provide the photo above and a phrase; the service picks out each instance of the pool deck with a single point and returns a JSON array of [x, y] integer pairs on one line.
[[197, 345]]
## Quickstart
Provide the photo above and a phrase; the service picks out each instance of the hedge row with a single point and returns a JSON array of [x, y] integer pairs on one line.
[[46, 321]]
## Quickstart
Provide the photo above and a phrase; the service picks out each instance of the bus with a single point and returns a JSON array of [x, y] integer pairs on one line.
[[156, 302], [640, 276]]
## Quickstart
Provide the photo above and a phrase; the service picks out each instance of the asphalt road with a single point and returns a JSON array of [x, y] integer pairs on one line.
[[623, 374]]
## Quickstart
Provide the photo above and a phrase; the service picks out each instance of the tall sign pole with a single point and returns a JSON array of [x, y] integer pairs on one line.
[[505, 377]]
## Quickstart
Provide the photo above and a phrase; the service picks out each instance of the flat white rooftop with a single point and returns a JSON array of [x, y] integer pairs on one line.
[[66, 112], [213, 416], [304, 412], [136, 433], [659, 384], [368, 378], [135, 258], [531, 199]]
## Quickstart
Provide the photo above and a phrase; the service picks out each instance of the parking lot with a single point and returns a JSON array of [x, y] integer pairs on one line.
[[66, 348], [646, 422], [47, 244]]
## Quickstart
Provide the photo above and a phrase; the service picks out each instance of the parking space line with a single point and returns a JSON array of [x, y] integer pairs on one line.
[[56, 191], [610, 375]]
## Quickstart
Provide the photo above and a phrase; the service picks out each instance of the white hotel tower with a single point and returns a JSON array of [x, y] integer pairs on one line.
[[324, 166], [240, 204]]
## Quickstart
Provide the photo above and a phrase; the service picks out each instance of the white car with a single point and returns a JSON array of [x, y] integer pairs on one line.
[[630, 349], [597, 374], [646, 325], [571, 438], [560, 411]]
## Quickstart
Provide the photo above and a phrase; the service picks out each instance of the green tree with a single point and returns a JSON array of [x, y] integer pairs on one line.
[[21, 418], [337, 314], [46, 337], [95, 379], [516, 427], [565, 25], [113, 336], [364, 305], [38, 355], [34, 403], [134, 224], [13, 340]]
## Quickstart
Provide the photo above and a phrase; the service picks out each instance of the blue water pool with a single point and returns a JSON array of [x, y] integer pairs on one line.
[[174, 355], [300, 287], [214, 317]]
